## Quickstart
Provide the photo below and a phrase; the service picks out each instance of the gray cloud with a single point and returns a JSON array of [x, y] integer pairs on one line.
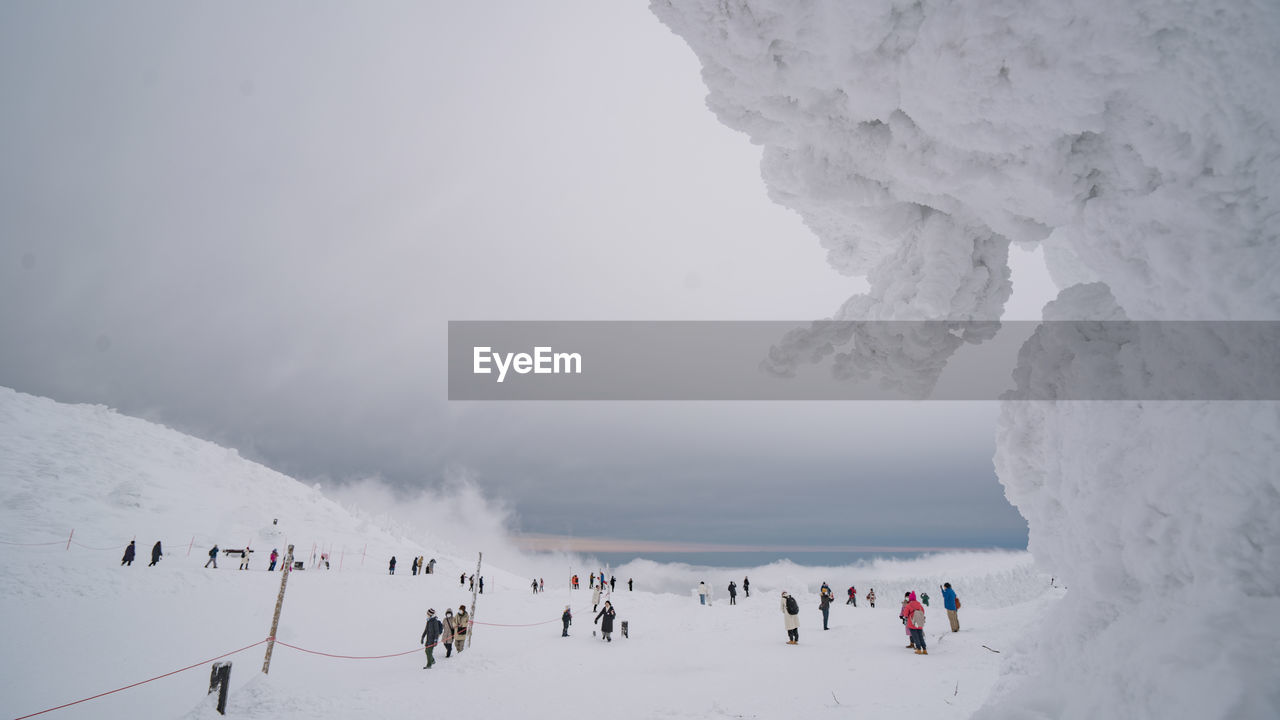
[[253, 224]]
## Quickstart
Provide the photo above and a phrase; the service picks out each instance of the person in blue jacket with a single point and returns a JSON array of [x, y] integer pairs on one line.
[[952, 604]]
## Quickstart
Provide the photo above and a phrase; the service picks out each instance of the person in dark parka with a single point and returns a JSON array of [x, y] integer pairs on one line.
[[567, 619], [431, 636], [606, 625], [213, 557], [128, 554], [156, 554]]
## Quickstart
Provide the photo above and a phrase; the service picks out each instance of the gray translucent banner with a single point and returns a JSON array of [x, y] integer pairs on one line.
[[838, 360]]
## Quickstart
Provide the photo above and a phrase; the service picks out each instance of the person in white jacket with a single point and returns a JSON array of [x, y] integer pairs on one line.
[[791, 620], [595, 598], [702, 593]]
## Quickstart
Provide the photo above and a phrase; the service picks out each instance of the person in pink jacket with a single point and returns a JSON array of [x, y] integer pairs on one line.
[[915, 623]]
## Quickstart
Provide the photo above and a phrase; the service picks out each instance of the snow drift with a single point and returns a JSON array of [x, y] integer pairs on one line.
[[1139, 144]]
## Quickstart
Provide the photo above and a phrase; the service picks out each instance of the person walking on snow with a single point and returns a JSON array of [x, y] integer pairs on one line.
[[853, 596], [481, 584], [430, 636], [915, 624], [595, 598], [471, 583], [902, 615], [702, 593], [733, 593], [535, 586], [213, 558], [791, 620], [391, 568], [129, 553], [607, 612], [461, 624], [462, 579], [446, 637], [630, 586], [156, 554], [952, 604], [613, 583], [274, 556], [567, 619], [824, 604], [871, 598], [244, 559], [542, 585], [746, 587]]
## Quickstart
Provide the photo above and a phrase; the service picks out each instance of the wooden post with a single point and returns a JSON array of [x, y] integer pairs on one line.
[[73, 534], [471, 630], [220, 680], [275, 620]]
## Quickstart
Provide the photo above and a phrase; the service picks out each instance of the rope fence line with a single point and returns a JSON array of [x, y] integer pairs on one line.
[[144, 682], [470, 624], [56, 542]]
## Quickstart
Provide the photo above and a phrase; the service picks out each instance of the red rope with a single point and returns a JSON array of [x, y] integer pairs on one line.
[[545, 622], [144, 682], [348, 657]]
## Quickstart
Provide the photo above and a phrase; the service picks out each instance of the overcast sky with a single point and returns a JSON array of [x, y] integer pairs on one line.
[[253, 224]]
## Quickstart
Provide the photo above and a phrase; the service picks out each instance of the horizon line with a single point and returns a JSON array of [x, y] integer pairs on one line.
[[544, 542]]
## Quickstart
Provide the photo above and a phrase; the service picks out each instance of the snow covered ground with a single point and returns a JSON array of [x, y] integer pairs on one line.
[[77, 624]]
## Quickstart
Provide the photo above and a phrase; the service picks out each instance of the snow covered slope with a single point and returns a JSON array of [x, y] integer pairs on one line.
[[76, 623], [1138, 143]]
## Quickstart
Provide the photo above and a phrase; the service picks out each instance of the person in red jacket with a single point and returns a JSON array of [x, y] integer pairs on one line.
[[915, 623]]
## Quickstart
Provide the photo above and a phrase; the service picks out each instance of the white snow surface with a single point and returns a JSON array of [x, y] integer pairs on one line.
[[76, 623], [1138, 143]]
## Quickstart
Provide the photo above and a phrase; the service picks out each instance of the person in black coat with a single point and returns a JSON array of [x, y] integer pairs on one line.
[[431, 636], [606, 627], [733, 593], [746, 586], [391, 569], [567, 619], [128, 554], [156, 554]]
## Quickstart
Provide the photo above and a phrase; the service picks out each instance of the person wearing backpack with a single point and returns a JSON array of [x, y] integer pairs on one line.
[[902, 615], [915, 623], [431, 637], [952, 604], [791, 618], [213, 557]]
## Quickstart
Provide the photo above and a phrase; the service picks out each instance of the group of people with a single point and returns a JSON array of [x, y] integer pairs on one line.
[[470, 581], [132, 548], [595, 580], [912, 613], [605, 617], [451, 632], [157, 552]]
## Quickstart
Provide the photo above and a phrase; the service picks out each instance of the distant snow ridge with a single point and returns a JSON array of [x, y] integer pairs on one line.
[[1139, 143], [111, 477]]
